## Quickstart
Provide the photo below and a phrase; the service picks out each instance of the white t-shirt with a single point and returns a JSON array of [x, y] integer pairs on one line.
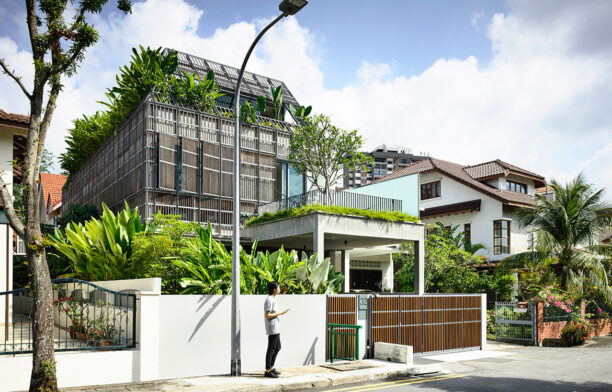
[[272, 324]]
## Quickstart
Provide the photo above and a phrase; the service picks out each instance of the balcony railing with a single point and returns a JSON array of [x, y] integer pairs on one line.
[[336, 198]]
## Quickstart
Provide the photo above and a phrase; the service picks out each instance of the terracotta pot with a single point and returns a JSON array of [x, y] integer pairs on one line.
[[72, 332]]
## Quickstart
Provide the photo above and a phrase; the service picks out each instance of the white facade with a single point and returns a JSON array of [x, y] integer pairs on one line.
[[481, 222], [7, 134]]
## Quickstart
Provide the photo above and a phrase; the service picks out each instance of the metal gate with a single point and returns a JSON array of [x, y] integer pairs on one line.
[[432, 323], [515, 322], [341, 309]]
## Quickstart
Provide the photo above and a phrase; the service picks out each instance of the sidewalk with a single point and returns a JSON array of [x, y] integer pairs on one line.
[[292, 379], [307, 377]]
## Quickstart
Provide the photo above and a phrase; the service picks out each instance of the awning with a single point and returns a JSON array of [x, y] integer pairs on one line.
[[451, 209]]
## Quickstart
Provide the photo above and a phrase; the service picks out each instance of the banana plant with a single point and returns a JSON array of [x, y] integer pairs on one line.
[[300, 111], [276, 111]]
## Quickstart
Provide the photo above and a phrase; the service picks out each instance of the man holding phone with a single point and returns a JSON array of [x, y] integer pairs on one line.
[[272, 322]]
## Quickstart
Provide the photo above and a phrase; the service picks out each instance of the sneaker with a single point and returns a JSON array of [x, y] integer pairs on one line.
[[275, 372], [270, 374]]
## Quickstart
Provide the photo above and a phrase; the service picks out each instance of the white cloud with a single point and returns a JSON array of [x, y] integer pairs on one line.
[[542, 102]]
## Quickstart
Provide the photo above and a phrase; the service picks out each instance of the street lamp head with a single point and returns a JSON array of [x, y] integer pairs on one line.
[[291, 7]]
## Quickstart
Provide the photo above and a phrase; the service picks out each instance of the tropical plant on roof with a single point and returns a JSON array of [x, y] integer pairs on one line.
[[149, 69], [568, 228]]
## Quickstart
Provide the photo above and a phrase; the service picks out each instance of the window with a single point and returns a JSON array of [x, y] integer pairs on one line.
[[516, 187], [467, 232], [501, 237], [531, 240], [430, 190], [291, 183]]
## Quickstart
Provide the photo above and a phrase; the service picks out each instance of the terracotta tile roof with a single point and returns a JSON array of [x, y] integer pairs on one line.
[[51, 185], [460, 174], [500, 168], [15, 118]]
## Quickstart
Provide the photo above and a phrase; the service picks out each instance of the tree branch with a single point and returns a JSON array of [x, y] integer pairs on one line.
[[16, 78], [9, 209]]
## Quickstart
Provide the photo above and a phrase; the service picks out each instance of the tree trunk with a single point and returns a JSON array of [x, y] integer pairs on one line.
[[43, 376]]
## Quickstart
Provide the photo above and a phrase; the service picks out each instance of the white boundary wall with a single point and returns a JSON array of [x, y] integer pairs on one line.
[[185, 336]]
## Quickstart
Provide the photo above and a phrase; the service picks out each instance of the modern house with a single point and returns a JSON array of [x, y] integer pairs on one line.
[[13, 132], [50, 191], [481, 199], [387, 159], [175, 160]]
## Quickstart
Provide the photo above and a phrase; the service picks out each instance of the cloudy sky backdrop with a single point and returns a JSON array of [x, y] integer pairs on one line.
[[523, 81]]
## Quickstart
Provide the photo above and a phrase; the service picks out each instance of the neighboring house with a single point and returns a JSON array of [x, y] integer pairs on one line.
[[387, 159], [13, 132], [175, 160], [481, 199], [50, 191]]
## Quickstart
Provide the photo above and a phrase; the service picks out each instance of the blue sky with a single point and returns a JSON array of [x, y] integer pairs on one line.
[[528, 82]]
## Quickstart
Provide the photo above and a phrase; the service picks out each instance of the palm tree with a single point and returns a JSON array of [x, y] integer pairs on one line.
[[568, 228]]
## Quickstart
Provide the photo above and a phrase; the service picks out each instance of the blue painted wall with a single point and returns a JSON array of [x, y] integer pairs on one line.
[[404, 188]]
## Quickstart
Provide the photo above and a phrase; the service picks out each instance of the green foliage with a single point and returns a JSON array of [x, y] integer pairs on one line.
[[208, 266], [275, 111], [248, 113], [568, 228], [153, 252], [321, 151], [390, 216], [101, 248], [300, 111], [148, 69], [576, 332], [78, 214], [449, 268]]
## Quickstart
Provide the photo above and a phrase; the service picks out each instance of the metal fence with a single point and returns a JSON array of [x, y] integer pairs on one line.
[[86, 317], [514, 322], [337, 198], [341, 309], [431, 323]]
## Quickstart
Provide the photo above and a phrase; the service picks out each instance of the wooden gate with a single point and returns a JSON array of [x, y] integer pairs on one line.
[[341, 309], [432, 323]]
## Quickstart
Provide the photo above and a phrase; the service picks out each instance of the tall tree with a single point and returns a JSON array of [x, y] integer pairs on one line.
[[568, 228], [320, 151], [58, 46]]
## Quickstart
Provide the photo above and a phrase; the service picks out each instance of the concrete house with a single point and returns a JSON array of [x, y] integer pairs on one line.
[[176, 160], [481, 199], [13, 132]]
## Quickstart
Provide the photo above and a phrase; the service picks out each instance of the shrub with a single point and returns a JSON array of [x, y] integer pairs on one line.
[[576, 332]]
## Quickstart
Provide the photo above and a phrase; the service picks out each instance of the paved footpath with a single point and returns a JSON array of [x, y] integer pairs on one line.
[[502, 367], [541, 369]]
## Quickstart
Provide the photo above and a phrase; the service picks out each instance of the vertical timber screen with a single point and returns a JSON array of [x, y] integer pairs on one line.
[[341, 309], [432, 323], [173, 160]]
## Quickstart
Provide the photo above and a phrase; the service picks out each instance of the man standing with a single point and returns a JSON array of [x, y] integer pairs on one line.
[[271, 314]]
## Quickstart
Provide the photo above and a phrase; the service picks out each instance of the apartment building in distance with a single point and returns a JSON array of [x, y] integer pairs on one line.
[[388, 158]]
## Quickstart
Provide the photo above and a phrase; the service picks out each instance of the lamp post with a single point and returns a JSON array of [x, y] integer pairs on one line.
[[287, 7]]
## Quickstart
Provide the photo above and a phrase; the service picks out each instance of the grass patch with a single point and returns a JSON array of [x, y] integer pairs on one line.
[[389, 216]]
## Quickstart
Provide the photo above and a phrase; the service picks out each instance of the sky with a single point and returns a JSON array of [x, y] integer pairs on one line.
[[527, 82]]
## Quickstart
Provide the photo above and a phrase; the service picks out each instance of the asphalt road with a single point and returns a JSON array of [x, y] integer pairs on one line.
[[539, 369]]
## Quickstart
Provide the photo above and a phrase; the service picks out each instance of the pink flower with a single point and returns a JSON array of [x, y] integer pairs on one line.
[[599, 310], [567, 310]]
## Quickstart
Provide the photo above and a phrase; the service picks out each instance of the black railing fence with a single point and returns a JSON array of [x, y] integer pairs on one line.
[[86, 317]]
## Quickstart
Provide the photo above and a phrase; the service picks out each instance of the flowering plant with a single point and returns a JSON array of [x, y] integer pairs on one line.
[[74, 309], [552, 296], [576, 332]]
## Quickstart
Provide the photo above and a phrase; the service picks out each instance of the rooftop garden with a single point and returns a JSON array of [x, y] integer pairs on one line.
[[389, 216]]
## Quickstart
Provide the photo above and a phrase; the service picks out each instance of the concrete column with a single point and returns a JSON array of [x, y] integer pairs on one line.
[[419, 267], [147, 338], [318, 243], [345, 259]]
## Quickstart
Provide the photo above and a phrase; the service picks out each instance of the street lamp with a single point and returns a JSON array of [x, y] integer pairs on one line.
[[287, 7]]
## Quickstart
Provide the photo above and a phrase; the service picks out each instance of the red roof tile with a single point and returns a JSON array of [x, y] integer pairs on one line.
[[463, 175], [15, 118], [51, 185]]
